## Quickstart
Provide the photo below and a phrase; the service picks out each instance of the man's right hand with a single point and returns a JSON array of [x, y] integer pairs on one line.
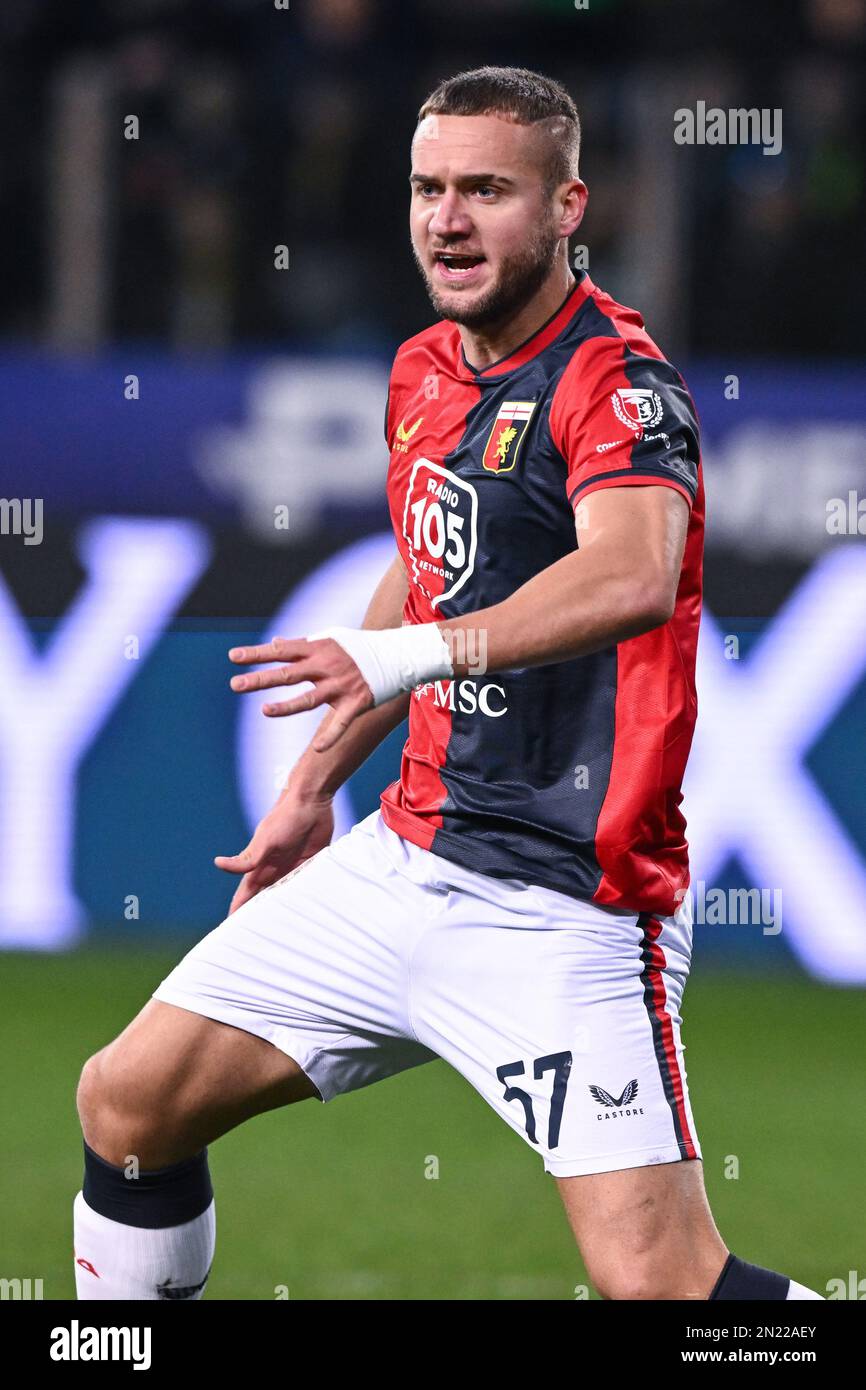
[[293, 831]]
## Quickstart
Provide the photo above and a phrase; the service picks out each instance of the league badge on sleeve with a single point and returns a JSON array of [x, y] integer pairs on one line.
[[636, 407], [506, 437]]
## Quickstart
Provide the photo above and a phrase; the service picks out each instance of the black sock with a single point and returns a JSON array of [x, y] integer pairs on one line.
[[155, 1199], [740, 1280]]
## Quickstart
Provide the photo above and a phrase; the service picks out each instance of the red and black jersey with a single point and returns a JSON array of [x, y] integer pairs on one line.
[[566, 775]]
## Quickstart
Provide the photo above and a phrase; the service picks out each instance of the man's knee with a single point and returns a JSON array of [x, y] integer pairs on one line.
[[126, 1109], [646, 1233], [653, 1275], [85, 1095], [664, 1255], [136, 1097], [93, 1088], [631, 1281]]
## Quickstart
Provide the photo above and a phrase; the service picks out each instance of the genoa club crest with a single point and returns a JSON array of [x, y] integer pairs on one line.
[[506, 437]]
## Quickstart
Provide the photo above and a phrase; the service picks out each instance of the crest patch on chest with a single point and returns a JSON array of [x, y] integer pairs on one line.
[[506, 437]]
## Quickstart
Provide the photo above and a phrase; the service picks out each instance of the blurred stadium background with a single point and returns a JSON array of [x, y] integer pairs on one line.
[[201, 417]]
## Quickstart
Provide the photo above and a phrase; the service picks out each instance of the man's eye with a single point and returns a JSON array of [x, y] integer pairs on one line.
[[485, 188]]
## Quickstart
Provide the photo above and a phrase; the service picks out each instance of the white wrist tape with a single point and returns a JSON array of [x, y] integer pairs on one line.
[[395, 658]]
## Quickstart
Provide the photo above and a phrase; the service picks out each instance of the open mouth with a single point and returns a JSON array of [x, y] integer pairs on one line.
[[456, 264]]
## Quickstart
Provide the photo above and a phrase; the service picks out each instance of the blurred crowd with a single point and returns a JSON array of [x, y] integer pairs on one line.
[[262, 123]]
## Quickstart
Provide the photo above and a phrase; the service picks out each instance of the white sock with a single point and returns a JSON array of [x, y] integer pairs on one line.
[[116, 1261], [796, 1290]]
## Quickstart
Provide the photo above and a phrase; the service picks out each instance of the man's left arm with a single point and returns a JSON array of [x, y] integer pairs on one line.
[[622, 581]]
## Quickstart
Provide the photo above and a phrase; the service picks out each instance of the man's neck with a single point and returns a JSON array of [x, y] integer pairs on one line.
[[484, 346]]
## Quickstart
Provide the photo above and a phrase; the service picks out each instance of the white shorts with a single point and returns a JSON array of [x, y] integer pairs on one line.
[[376, 956]]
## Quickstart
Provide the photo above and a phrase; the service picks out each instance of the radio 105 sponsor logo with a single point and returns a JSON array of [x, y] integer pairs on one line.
[[440, 526]]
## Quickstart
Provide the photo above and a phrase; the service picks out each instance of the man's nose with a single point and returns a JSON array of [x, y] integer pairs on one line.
[[451, 217]]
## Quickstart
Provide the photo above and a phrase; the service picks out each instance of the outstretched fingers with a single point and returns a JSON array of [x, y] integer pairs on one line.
[[321, 694]]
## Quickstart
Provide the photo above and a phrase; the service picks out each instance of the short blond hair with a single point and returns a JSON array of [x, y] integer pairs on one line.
[[520, 95]]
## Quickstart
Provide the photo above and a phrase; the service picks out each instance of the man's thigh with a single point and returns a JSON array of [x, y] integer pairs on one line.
[[565, 1017]]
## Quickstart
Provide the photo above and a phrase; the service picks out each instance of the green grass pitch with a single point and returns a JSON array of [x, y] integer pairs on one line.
[[332, 1202]]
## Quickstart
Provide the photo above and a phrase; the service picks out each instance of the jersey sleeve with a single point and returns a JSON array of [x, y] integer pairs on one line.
[[620, 418]]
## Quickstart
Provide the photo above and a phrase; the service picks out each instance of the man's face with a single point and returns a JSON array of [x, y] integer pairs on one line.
[[484, 230]]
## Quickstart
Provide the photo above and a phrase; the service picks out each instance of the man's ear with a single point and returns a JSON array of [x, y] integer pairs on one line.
[[574, 196]]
